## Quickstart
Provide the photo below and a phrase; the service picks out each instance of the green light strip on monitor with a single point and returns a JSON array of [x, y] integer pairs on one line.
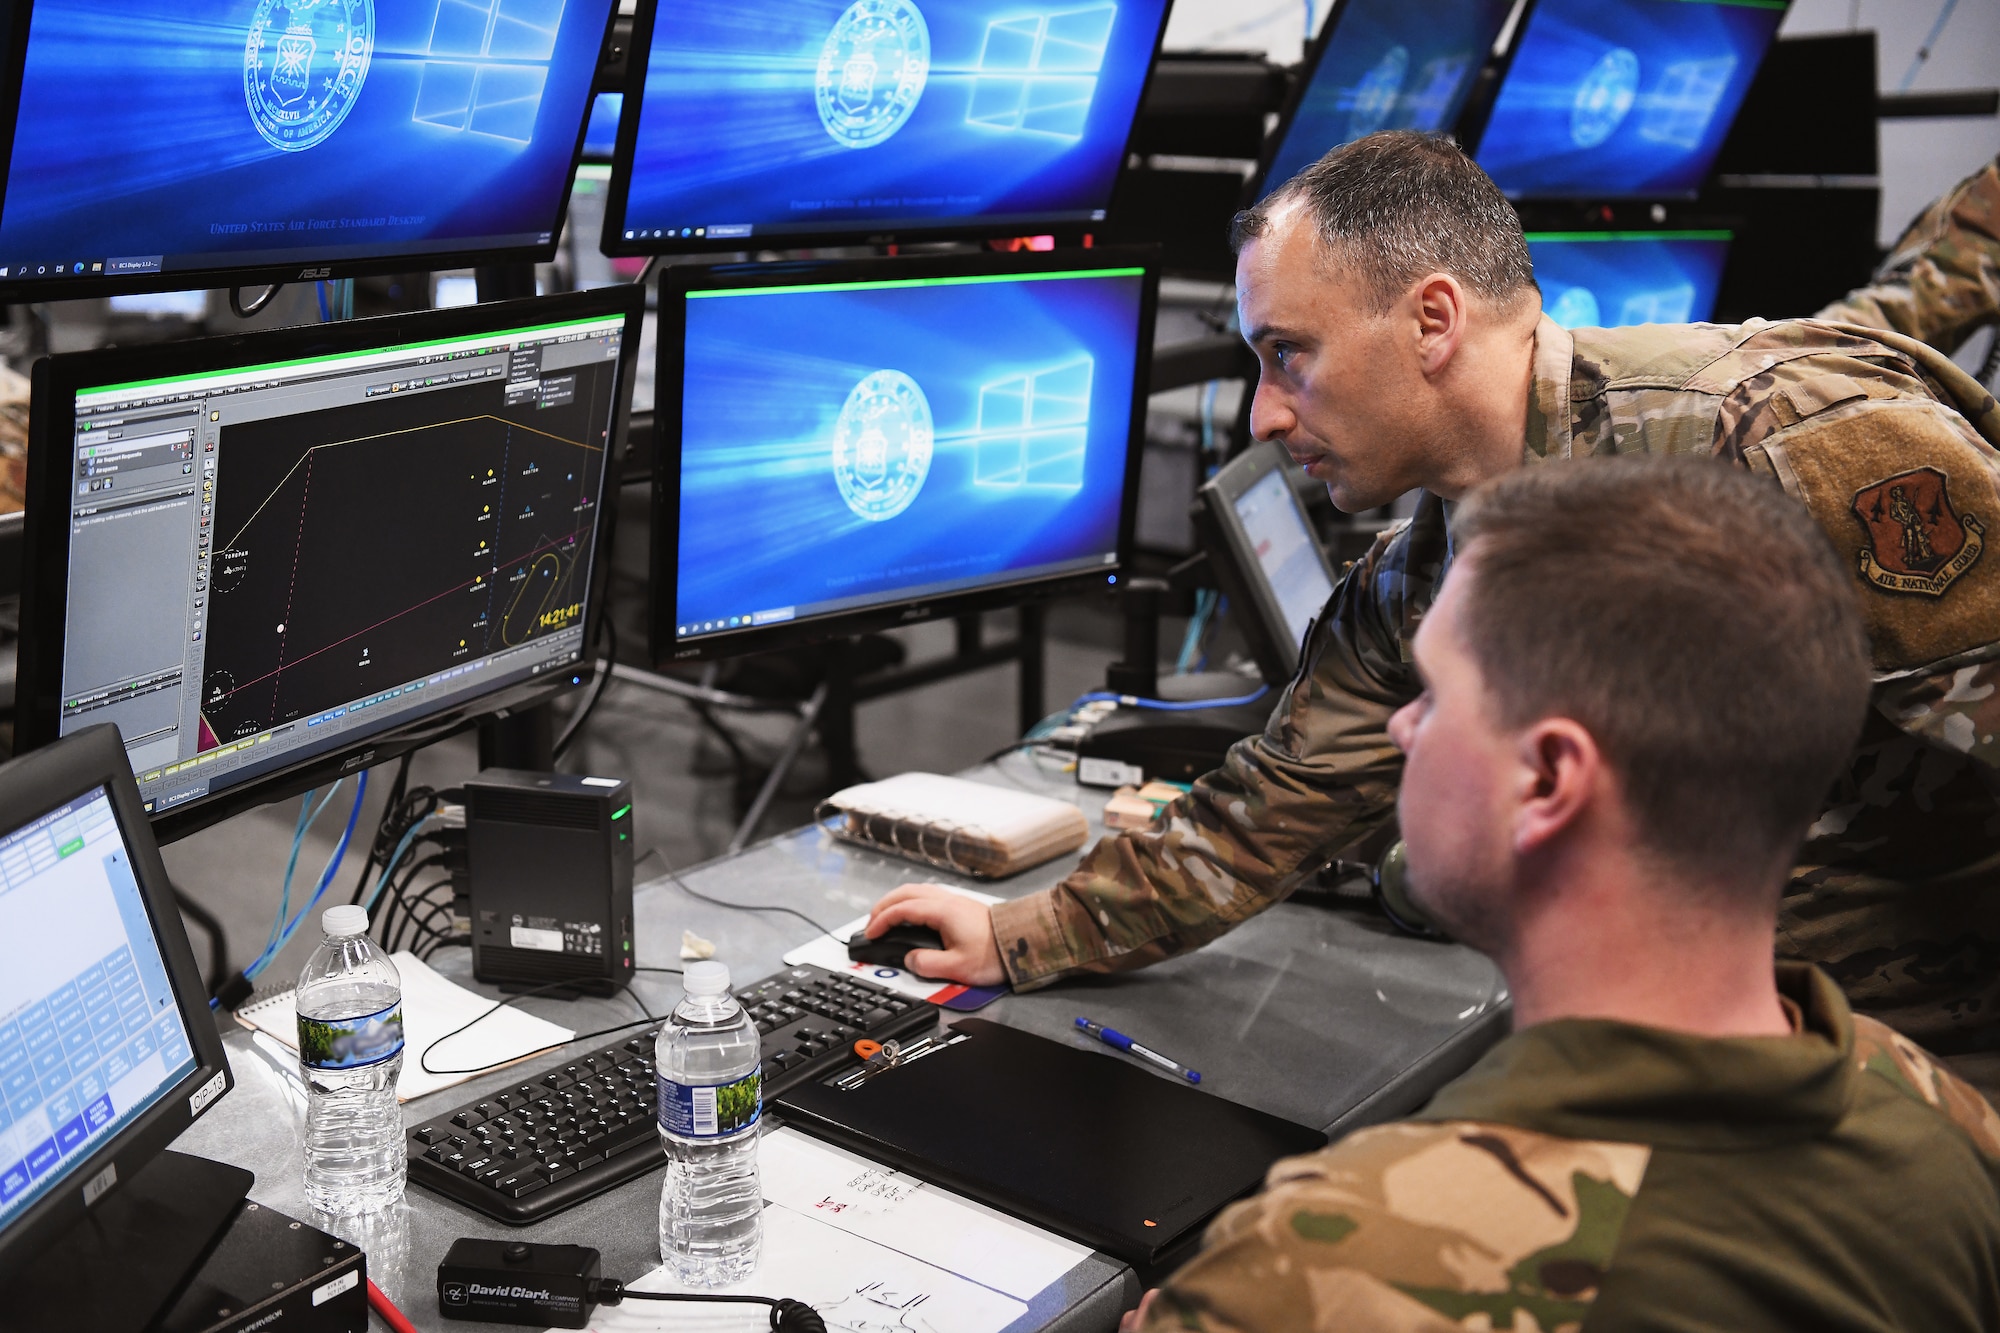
[[920, 282], [1631, 235], [399, 350]]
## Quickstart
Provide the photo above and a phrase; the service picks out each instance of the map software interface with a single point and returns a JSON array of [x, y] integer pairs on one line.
[[1610, 98], [1388, 65], [278, 560], [163, 135], [90, 1035], [1608, 279], [861, 444], [1286, 551], [817, 115]]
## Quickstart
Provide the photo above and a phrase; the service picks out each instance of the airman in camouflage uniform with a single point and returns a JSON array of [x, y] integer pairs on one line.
[[1941, 282], [1897, 892], [1595, 1174]]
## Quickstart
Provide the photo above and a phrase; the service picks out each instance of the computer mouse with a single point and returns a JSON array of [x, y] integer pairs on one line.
[[895, 942]]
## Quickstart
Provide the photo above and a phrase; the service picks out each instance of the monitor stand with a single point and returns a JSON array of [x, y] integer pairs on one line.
[[124, 1261]]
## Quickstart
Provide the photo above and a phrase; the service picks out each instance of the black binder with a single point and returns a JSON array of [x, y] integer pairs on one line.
[[1080, 1142]]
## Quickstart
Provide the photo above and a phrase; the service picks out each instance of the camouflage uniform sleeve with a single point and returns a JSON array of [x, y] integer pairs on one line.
[[1323, 774], [1418, 1228], [1880, 1049], [1942, 280]]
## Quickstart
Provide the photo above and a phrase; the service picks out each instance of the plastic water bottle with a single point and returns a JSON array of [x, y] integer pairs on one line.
[[710, 1071], [350, 1004]]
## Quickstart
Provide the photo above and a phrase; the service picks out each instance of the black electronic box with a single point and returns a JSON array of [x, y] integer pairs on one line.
[[550, 863], [270, 1271]]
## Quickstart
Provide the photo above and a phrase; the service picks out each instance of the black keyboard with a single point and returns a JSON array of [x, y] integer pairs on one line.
[[579, 1128]]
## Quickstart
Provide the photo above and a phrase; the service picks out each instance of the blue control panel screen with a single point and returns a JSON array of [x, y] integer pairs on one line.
[[865, 444], [1609, 279], [156, 136], [1623, 98], [818, 116], [1387, 65], [90, 1034]]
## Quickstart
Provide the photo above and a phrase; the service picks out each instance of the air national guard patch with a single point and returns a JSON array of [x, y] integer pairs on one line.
[[1917, 543]]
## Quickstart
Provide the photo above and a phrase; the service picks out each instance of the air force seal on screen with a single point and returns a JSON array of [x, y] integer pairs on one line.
[[872, 71], [882, 445], [303, 66]]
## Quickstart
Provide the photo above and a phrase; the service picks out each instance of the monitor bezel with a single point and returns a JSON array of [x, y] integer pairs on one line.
[[1476, 121], [302, 269], [614, 245], [45, 559], [1257, 186], [30, 787], [669, 390], [1234, 557]]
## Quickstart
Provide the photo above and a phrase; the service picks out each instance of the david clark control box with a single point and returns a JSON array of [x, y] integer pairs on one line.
[[550, 862]]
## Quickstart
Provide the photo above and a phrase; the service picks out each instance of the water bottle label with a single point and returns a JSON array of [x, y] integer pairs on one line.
[[711, 1110], [350, 1043]]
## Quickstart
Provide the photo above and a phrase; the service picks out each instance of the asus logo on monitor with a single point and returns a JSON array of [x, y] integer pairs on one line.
[[307, 275]]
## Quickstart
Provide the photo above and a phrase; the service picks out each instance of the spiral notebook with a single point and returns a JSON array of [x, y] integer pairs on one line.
[[432, 1008], [966, 827]]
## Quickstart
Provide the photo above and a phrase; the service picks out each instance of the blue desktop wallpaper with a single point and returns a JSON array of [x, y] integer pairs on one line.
[[209, 130], [772, 518], [600, 135], [1609, 98], [1388, 65], [829, 115], [1615, 279]]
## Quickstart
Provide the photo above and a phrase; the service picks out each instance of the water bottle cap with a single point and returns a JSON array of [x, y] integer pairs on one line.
[[706, 978], [348, 919]]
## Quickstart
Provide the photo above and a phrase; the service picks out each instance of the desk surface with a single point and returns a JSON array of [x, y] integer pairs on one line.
[[1321, 1016]]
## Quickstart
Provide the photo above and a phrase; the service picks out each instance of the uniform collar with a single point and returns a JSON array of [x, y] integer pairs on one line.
[[1598, 1079], [1548, 432]]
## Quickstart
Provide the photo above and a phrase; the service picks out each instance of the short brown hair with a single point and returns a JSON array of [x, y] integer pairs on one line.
[[1695, 621], [1397, 205]]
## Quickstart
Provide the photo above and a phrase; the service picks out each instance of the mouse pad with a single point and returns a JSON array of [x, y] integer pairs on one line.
[[1081, 1142]]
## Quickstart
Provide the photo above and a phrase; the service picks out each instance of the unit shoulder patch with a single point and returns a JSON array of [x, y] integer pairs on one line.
[[1916, 542]]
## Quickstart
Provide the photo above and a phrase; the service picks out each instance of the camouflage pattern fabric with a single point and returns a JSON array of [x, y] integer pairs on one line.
[[1941, 282], [1897, 892], [1594, 1174]]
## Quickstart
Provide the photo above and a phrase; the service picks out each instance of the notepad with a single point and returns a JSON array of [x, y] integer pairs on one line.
[[432, 1008], [966, 827]]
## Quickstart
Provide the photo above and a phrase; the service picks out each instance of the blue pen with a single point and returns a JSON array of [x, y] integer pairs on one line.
[[1113, 1037]]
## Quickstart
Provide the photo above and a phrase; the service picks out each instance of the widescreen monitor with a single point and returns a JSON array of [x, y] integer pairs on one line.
[[1606, 279], [850, 446], [1383, 65], [1623, 98], [795, 121], [159, 144], [108, 1050], [281, 556]]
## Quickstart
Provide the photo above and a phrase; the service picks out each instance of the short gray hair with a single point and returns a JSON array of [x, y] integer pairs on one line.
[[1395, 206]]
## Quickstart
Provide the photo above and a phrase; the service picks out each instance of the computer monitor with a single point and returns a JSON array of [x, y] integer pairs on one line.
[[159, 144], [1382, 65], [278, 557], [1607, 279], [850, 446], [1266, 557], [794, 122], [108, 1050], [1608, 99], [600, 132]]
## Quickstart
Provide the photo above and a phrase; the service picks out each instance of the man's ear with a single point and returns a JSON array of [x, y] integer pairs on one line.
[[1561, 776], [1440, 306]]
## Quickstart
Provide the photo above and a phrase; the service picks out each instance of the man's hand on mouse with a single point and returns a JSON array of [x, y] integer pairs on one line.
[[970, 955]]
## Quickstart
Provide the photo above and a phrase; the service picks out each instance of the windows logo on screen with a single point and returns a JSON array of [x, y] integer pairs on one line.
[[1034, 428], [486, 64], [1038, 73]]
